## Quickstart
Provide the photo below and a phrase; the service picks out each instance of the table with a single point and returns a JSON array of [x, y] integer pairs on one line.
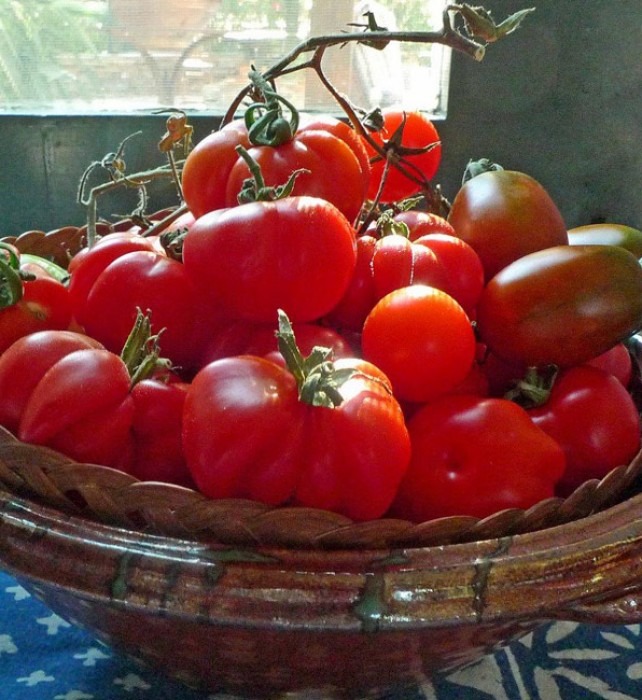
[[43, 657]]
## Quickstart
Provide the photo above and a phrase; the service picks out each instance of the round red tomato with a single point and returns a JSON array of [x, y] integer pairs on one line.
[[504, 215], [88, 263], [616, 361], [421, 339], [419, 154], [43, 304], [464, 272]]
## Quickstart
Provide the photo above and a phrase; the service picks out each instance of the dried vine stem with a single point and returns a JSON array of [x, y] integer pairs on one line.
[[477, 24], [447, 35]]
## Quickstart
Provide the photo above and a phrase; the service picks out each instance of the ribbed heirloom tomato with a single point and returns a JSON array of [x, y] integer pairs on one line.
[[65, 390], [295, 253], [334, 160], [333, 437]]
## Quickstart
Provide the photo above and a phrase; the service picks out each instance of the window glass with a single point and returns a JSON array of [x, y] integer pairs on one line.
[[92, 56]]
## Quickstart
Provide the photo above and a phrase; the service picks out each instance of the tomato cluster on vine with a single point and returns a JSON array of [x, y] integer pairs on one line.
[[307, 334]]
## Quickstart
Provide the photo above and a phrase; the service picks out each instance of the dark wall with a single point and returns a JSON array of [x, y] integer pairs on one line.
[[559, 99]]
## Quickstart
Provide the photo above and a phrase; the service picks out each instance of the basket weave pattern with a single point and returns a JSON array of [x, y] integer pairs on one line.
[[107, 495]]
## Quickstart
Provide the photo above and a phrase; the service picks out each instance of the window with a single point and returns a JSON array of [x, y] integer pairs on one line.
[[115, 56]]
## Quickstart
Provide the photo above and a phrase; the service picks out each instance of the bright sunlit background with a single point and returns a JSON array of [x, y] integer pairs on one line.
[[97, 56]]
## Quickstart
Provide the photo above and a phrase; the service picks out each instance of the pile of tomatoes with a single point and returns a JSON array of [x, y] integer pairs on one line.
[[276, 343]]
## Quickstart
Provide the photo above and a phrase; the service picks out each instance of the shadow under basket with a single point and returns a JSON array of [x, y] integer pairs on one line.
[[236, 596]]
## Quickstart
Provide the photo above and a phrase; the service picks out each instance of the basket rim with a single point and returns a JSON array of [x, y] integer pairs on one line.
[[99, 494]]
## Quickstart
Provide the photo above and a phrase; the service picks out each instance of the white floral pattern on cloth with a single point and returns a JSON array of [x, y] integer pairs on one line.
[[43, 657]]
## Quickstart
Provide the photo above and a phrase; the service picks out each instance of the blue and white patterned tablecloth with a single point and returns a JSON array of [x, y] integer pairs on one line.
[[42, 657]]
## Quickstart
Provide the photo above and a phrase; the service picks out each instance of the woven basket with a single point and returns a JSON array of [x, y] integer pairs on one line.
[[110, 496]]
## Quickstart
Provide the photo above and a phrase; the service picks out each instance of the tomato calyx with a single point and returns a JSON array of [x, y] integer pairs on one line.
[[172, 242], [317, 378], [477, 167], [11, 276], [10, 285], [141, 352], [534, 389], [386, 223], [264, 120], [255, 189]]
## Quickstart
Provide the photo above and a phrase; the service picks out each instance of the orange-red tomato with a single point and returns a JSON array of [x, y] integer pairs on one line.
[[418, 133], [421, 339]]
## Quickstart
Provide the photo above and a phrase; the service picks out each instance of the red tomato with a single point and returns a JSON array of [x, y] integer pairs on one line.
[[82, 407], [423, 223], [504, 215], [25, 362], [595, 420], [476, 456], [397, 262], [87, 264], [418, 133], [616, 361], [421, 339], [44, 305], [246, 434], [214, 173], [343, 131], [148, 281], [157, 432], [64, 390], [359, 298], [464, 272], [297, 254]]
